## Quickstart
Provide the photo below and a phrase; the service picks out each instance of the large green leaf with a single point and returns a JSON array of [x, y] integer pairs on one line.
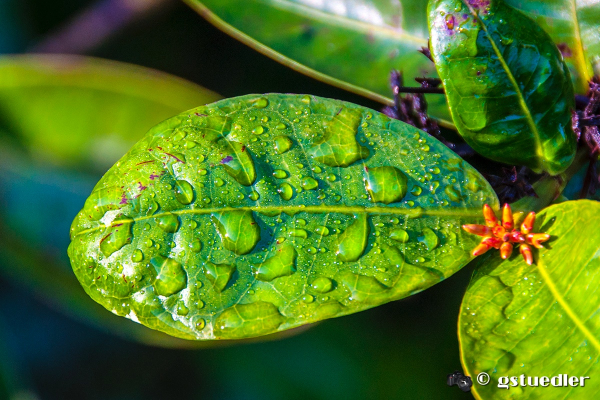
[[574, 27], [63, 121], [351, 44], [509, 91], [355, 44], [262, 213], [538, 320]]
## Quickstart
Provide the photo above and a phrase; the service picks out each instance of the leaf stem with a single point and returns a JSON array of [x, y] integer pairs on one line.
[[549, 188]]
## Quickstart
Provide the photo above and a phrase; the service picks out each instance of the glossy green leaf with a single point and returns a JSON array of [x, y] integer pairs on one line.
[[63, 121], [573, 25], [538, 320], [324, 39], [358, 211], [350, 44], [509, 91]]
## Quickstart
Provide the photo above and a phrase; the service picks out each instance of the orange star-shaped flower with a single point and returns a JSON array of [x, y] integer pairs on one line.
[[504, 235]]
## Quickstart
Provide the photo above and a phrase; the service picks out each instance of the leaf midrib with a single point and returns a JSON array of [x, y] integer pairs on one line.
[[581, 58], [513, 81], [565, 306], [472, 213]]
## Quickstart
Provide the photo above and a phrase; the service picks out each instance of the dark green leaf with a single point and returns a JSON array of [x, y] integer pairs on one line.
[[358, 211], [63, 121], [350, 44], [509, 91], [573, 26], [538, 320]]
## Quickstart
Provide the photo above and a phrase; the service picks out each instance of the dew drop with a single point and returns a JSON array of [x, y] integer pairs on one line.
[[322, 284], [309, 183], [200, 324], [219, 274], [299, 233], [171, 277], [282, 143], [307, 298], [399, 235], [416, 190], [196, 246], [429, 239], [219, 182], [280, 174], [261, 103], [137, 255], [338, 146], [285, 191], [283, 263], [322, 230], [259, 130], [238, 230], [452, 193], [237, 162], [248, 320], [254, 196], [353, 242], [168, 222], [118, 237], [385, 184], [182, 309]]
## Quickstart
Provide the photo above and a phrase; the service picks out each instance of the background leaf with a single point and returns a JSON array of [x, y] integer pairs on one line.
[[538, 320], [63, 121], [355, 44], [573, 25], [351, 44], [262, 213], [509, 91]]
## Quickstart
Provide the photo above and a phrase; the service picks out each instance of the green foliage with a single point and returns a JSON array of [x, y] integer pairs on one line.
[[353, 45], [66, 119], [79, 110], [573, 26], [509, 91], [217, 231], [538, 320], [319, 38]]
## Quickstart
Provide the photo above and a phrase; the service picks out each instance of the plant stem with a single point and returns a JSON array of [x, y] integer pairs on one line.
[[549, 188]]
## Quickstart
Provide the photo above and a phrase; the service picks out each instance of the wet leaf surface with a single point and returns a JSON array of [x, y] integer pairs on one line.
[[273, 239], [509, 91], [538, 320]]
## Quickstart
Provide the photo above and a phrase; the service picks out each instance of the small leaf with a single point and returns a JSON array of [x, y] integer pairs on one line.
[[509, 90], [268, 253], [538, 320]]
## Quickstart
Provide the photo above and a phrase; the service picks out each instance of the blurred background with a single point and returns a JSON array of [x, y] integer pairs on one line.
[[64, 120]]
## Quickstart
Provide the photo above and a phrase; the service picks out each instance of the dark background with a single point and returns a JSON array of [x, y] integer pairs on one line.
[[402, 350]]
